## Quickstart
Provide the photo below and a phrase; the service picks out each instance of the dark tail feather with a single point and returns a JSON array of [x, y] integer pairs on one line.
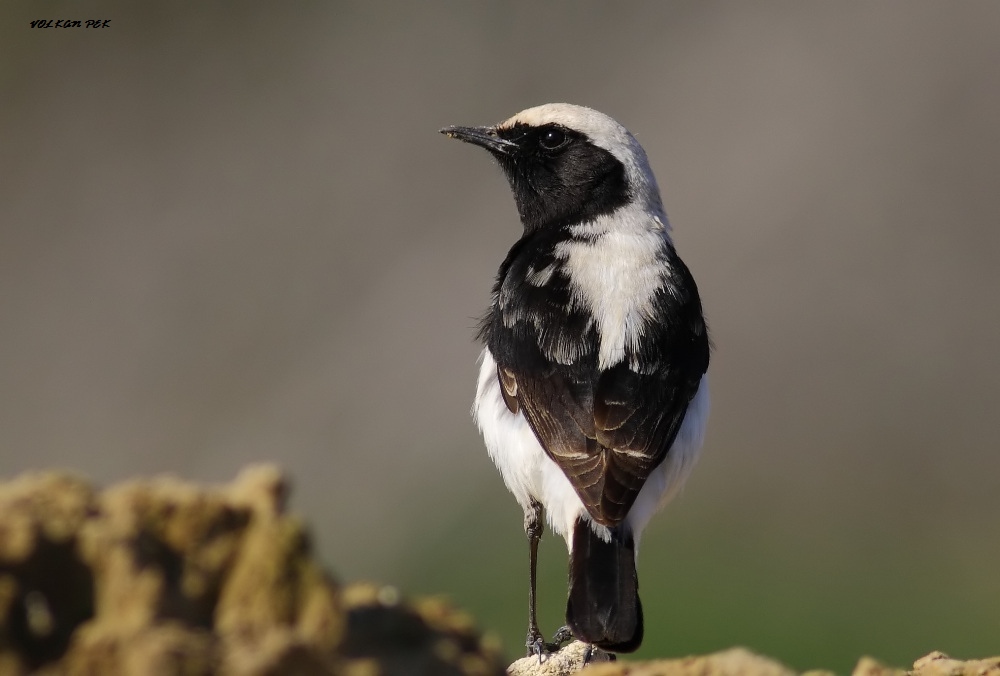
[[603, 607]]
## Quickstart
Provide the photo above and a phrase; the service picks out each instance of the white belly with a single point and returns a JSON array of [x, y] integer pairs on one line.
[[530, 474]]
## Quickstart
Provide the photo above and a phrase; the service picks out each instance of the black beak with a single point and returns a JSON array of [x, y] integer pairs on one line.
[[485, 137]]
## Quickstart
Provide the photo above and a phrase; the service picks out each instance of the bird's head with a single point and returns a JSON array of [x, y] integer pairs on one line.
[[568, 165]]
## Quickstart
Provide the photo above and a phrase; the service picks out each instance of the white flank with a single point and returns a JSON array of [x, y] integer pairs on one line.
[[666, 481]]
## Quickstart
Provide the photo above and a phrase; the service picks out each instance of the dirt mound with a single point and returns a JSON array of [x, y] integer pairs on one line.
[[164, 576]]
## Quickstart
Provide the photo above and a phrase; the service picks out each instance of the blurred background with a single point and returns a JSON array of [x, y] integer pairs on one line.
[[231, 233]]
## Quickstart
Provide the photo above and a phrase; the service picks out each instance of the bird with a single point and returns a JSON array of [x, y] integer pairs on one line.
[[592, 395]]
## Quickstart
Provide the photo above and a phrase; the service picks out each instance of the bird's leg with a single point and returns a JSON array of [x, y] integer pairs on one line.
[[533, 529]]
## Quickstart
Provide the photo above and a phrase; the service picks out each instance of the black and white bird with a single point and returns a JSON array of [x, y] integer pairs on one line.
[[592, 395]]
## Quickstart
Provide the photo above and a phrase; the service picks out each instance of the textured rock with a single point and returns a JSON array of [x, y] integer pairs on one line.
[[163, 576], [732, 662], [568, 660], [740, 662], [425, 636], [933, 664], [939, 664]]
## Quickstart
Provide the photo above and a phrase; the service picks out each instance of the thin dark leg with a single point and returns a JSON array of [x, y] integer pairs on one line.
[[533, 529]]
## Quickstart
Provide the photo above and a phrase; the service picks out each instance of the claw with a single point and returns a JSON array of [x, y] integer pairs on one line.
[[561, 636], [535, 645]]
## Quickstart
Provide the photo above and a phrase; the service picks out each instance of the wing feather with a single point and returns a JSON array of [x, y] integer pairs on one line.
[[606, 444], [609, 429]]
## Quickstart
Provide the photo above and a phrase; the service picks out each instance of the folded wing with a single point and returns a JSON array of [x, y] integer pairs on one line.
[[607, 430]]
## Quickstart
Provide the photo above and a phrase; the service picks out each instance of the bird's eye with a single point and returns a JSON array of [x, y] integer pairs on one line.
[[552, 138]]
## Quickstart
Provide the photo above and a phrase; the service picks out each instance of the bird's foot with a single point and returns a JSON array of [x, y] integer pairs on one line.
[[561, 636], [537, 645]]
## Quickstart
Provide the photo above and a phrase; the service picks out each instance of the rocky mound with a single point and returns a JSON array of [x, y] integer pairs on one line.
[[166, 577]]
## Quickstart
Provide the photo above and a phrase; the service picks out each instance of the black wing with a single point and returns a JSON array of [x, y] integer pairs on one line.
[[607, 438]]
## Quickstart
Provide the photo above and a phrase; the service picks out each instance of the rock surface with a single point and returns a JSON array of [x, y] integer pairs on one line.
[[163, 576], [738, 662], [166, 577], [568, 660]]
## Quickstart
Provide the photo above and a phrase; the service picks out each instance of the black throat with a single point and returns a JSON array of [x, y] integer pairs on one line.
[[575, 183]]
